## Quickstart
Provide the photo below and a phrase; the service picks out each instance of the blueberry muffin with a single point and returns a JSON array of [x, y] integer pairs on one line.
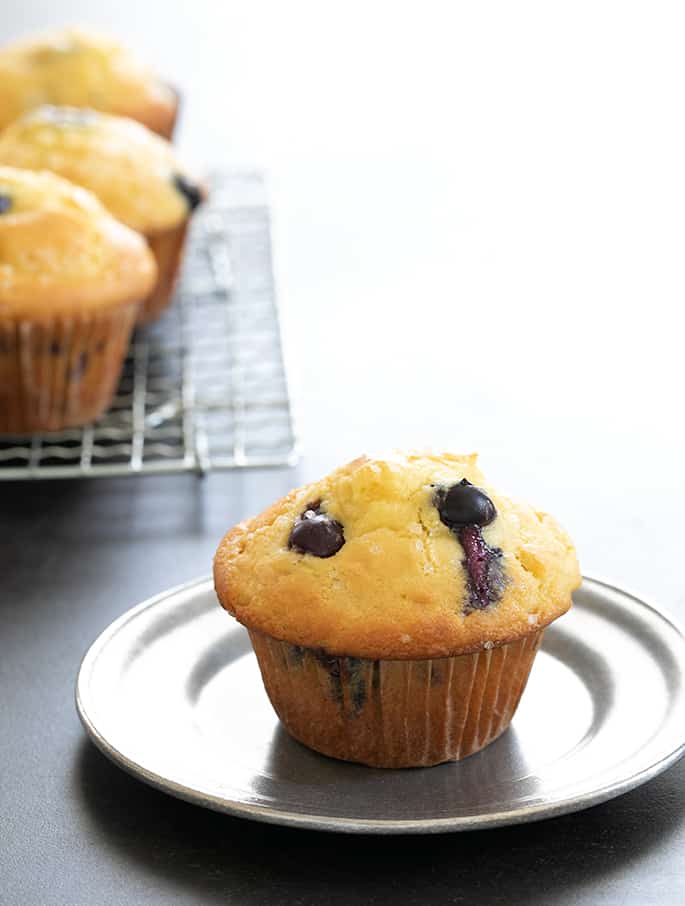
[[80, 68], [134, 173], [396, 606], [72, 279]]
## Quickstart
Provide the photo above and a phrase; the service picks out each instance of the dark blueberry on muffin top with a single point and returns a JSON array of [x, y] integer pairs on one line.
[[464, 504], [465, 510], [5, 203], [316, 533], [192, 193]]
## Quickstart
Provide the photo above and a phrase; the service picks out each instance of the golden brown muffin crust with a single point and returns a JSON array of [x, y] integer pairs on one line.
[[397, 588], [80, 68], [61, 252], [135, 173]]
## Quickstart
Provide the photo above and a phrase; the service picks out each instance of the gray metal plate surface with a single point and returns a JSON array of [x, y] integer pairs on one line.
[[171, 692]]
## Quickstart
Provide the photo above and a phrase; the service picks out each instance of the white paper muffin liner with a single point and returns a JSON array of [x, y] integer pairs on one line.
[[167, 247], [395, 713], [61, 372]]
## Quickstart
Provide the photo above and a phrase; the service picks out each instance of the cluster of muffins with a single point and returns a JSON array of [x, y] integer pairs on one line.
[[94, 211], [396, 606]]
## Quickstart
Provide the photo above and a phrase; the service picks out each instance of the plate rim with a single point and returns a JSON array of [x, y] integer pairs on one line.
[[523, 814]]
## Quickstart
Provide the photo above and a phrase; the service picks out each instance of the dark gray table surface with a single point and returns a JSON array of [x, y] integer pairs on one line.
[[478, 234]]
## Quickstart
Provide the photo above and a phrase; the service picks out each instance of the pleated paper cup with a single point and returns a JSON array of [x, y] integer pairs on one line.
[[61, 372], [167, 247], [392, 713]]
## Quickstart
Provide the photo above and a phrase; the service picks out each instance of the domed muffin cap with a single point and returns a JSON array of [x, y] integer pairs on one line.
[[397, 587], [134, 173], [80, 68], [61, 252]]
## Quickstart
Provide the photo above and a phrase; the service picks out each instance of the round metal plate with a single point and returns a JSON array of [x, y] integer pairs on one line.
[[172, 693]]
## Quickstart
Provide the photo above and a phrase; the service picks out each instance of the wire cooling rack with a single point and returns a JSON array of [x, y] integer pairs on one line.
[[206, 386]]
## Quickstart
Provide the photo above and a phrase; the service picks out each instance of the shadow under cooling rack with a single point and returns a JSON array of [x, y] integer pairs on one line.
[[206, 386]]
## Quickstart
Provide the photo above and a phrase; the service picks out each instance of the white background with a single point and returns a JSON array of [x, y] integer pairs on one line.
[[479, 222]]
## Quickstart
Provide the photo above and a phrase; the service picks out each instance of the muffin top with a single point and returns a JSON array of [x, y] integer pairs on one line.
[[82, 69], [62, 252], [134, 172], [414, 555]]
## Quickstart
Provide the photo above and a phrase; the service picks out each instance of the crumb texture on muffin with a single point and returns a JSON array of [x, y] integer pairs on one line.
[[410, 579], [135, 173], [61, 252], [80, 68]]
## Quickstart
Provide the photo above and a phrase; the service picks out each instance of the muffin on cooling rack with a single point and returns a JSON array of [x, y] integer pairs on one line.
[[72, 279], [80, 68], [396, 606], [134, 173]]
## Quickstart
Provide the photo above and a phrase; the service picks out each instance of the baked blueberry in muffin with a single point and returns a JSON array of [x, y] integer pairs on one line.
[[191, 191], [314, 532], [466, 510]]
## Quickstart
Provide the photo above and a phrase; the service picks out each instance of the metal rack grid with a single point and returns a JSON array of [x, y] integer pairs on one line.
[[203, 388]]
